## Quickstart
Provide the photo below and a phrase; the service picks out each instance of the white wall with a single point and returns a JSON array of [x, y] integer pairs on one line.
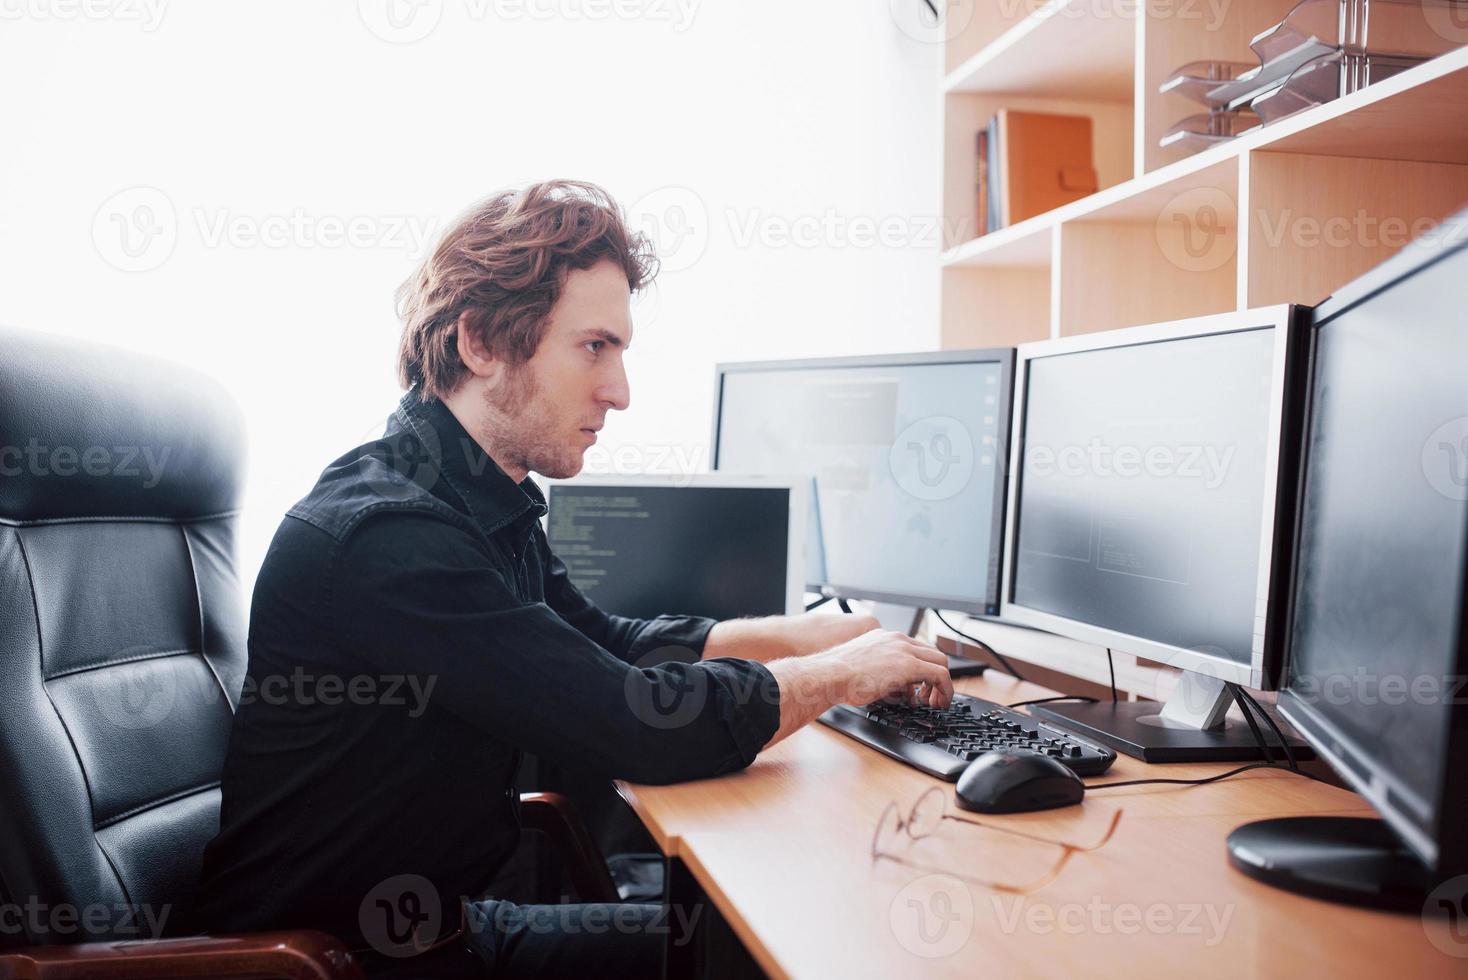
[[772, 147]]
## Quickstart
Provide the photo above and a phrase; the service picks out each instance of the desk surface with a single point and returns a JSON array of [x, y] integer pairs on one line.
[[783, 848]]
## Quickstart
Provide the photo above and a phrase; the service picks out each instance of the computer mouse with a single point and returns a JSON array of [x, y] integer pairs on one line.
[[1017, 781]]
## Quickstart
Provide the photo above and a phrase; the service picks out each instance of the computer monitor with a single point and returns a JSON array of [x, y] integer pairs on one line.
[[716, 546], [1149, 511], [907, 453], [1377, 651]]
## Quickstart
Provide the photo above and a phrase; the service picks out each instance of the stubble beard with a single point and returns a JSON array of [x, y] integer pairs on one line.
[[519, 428]]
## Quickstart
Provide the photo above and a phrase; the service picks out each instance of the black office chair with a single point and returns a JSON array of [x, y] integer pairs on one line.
[[122, 653]]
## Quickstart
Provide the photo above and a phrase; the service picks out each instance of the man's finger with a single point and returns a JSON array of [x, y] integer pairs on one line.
[[938, 679], [926, 651]]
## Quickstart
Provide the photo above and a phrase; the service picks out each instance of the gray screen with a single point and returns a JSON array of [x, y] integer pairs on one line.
[[1380, 562], [1141, 501], [720, 552], [904, 464]]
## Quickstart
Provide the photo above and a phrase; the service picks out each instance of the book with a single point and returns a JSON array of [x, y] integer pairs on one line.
[[993, 175], [1045, 162], [1029, 163], [981, 185]]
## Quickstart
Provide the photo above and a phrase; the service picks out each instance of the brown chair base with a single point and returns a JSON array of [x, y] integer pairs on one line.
[[301, 955]]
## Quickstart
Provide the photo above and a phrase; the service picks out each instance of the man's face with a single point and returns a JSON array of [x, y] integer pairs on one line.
[[548, 410]]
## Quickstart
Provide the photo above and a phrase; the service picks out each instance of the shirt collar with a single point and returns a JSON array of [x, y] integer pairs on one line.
[[486, 492]]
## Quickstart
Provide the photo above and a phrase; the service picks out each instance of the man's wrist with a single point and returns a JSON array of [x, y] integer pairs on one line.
[[820, 632]]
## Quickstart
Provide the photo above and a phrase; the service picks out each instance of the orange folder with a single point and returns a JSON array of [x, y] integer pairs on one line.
[[1046, 162]]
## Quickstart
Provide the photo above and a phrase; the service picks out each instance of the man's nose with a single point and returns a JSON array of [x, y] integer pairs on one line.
[[616, 393]]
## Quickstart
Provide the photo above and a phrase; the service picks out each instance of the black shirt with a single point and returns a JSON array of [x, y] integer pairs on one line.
[[411, 635]]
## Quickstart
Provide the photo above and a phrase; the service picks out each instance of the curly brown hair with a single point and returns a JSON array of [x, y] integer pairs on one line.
[[500, 270]]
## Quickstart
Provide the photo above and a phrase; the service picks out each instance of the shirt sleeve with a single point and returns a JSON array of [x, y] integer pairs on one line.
[[639, 642], [413, 594]]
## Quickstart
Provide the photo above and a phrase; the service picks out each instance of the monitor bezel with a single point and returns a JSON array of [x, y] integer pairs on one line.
[[1443, 849], [798, 503], [1263, 668], [1003, 356]]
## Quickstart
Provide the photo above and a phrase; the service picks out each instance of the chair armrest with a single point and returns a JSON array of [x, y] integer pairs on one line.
[[300, 955], [555, 816]]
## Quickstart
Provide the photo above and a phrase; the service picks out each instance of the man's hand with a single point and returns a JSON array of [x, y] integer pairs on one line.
[[774, 637], [887, 664], [877, 664]]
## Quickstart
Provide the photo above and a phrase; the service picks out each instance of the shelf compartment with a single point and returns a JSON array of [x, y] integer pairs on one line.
[[995, 306], [1413, 28], [1419, 114], [965, 113], [1001, 296], [972, 26], [1063, 49], [1166, 252], [1145, 189], [1168, 40], [1316, 222]]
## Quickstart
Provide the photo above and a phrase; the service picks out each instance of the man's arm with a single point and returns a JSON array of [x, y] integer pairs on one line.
[[522, 674], [774, 637], [414, 595]]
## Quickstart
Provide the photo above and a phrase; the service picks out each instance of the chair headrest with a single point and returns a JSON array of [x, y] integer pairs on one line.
[[90, 431]]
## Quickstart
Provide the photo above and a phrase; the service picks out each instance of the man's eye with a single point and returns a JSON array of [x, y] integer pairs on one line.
[[595, 346]]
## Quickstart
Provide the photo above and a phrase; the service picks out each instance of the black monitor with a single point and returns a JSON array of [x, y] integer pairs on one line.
[[1150, 514], [697, 546], [1377, 654], [907, 453]]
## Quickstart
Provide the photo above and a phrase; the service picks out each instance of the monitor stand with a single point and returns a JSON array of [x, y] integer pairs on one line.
[[1191, 726], [1354, 860], [909, 619]]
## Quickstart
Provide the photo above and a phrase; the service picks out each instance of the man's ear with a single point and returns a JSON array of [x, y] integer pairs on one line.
[[475, 355]]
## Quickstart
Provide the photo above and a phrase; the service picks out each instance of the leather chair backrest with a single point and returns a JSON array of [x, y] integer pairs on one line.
[[122, 634]]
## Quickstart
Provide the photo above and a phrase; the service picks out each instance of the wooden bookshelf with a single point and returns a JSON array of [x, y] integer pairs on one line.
[[1287, 213]]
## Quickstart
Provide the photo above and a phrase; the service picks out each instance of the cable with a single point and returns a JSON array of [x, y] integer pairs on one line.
[[1008, 667], [1063, 697], [1253, 725], [1213, 779], [1196, 782], [1284, 742], [1112, 668]]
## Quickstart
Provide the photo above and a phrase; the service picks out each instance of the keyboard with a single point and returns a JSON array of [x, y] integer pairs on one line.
[[943, 741]]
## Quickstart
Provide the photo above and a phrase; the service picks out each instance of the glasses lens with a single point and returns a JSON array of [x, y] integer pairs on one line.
[[927, 813]]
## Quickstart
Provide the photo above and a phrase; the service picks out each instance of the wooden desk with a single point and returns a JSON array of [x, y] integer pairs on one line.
[[782, 850]]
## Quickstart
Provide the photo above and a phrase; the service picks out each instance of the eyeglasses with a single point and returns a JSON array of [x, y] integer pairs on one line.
[[927, 815]]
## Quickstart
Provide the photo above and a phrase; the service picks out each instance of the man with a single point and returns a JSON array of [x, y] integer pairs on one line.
[[419, 559]]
